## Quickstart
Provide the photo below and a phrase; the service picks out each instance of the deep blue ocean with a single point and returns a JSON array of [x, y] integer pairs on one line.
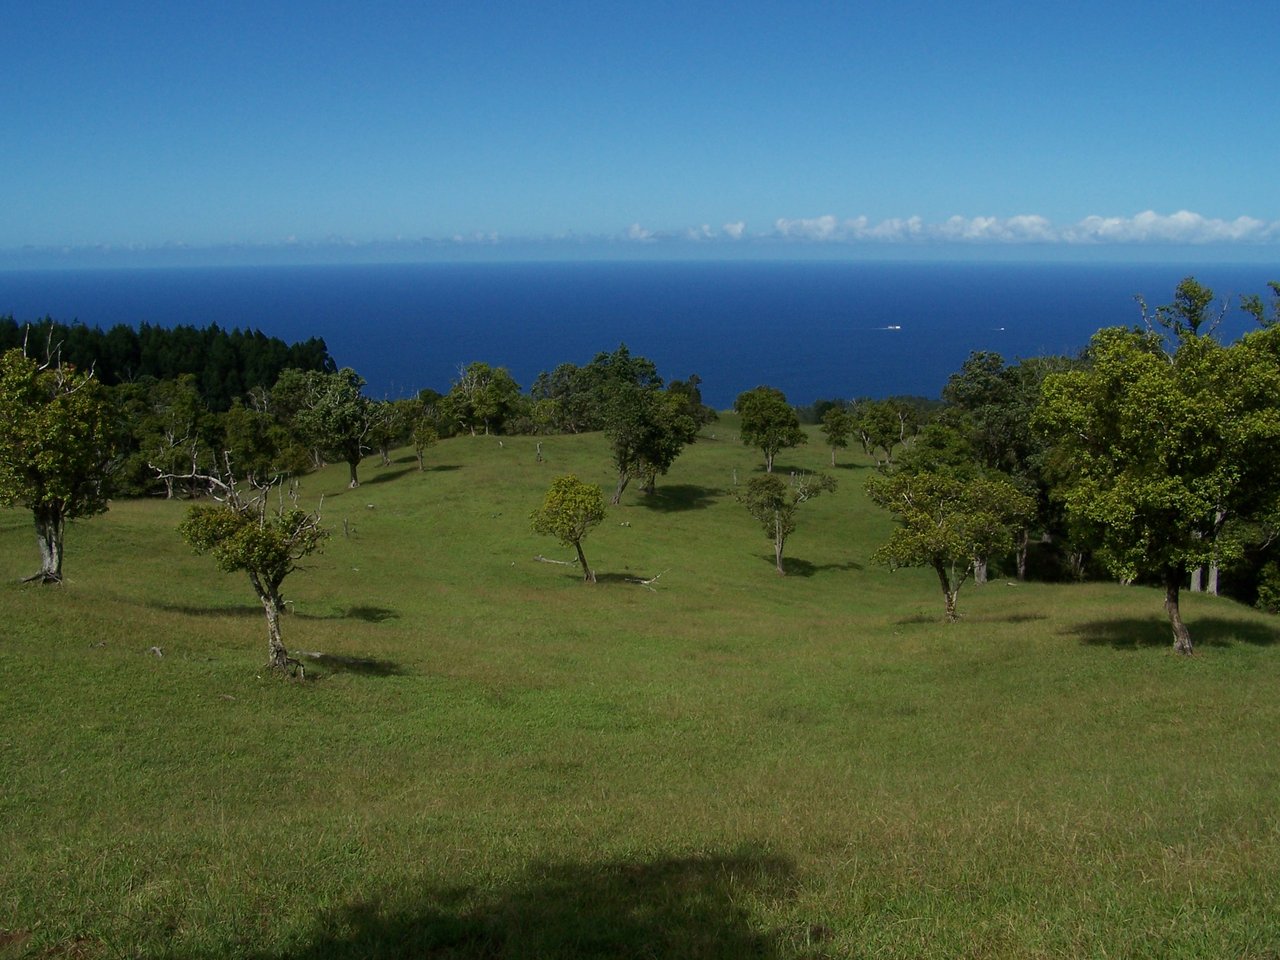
[[813, 329]]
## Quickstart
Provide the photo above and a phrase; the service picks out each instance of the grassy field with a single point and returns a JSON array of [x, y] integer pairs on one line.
[[493, 759]]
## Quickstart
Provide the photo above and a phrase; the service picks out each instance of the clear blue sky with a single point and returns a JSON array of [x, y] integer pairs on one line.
[[684, 124]]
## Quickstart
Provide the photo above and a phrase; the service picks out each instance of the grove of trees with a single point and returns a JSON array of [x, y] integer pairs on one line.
[[1151, 457]]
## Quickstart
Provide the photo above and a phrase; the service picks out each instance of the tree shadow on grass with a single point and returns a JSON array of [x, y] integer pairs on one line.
[[631, 579], [367, 614], [340, 663], [688, 907], [1135, 633], [192, 610], [680, 496], [796, 567], [388, 475]]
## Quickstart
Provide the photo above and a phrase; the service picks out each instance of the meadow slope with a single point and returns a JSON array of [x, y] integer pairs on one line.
[[493, 759]]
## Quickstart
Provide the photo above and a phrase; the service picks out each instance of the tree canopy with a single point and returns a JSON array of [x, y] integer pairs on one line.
[[769, 423], [56, 445], [568, 512], [1163, 445], [947, 522], [774, 502]]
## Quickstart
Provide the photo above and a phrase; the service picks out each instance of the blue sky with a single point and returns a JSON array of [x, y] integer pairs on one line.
[[676, 126]]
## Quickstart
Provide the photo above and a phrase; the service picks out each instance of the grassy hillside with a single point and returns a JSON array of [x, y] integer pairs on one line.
[[493, 759]]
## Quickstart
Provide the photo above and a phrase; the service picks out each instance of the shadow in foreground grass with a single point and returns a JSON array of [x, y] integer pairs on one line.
[[690, 907], [339, 663], [795, 567], [388, 475], [1136, 633], [367, 614], [671, 498]]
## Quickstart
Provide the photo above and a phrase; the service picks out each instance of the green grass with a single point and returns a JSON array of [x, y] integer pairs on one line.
[[496, 760]]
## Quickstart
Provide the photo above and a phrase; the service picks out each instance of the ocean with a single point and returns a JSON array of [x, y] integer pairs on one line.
[[815, 330]]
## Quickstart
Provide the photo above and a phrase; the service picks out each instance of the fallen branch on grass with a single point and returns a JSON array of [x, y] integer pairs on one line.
[[564, 563], [647, 584]]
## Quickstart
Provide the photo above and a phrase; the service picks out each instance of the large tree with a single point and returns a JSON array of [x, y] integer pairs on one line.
[[55, 448], [947, 522], [328, 412], [1164, 438], [768, 422], [647, 429], [256, 529], [482, 396], [774, 502], [568, 512]]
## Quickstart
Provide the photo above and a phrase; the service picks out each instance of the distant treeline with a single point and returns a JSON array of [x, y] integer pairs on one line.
[[226, 364]]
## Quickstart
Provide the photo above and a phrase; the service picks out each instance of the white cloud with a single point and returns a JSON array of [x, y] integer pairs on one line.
[[639, 233], [736, 230], [1183, 227]]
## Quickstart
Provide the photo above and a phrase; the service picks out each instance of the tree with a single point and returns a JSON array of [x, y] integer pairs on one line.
[[768, 422], [774, 502], [690, 393], [992, 406], [882, 425], [647, 430], [837, 427], [328, 412], [170, 428], [247, 531], [948, 523], [423, 435], [568, 512], [1162, 441], [482, 396], [55, 448]]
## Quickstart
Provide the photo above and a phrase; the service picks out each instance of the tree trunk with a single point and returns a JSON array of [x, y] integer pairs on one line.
[[980, 570], [624, 477], [50, 525], [947, 591], [833, 457], [768, 461], [1213, 579], [778, 543], [1181, 636], [1024, 545], [355, 478], [272, 606], [1197, 578], [588, 576]]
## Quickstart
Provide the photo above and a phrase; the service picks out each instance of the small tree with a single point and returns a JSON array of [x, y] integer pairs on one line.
[[948, 523], [55, 448], [568, 512], [769, 423], [837, 427], [882, 425], [774, 501], [248, 531], [423, 435]]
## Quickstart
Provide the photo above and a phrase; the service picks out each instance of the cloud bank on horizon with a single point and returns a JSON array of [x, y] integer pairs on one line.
[[1148, 227]]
